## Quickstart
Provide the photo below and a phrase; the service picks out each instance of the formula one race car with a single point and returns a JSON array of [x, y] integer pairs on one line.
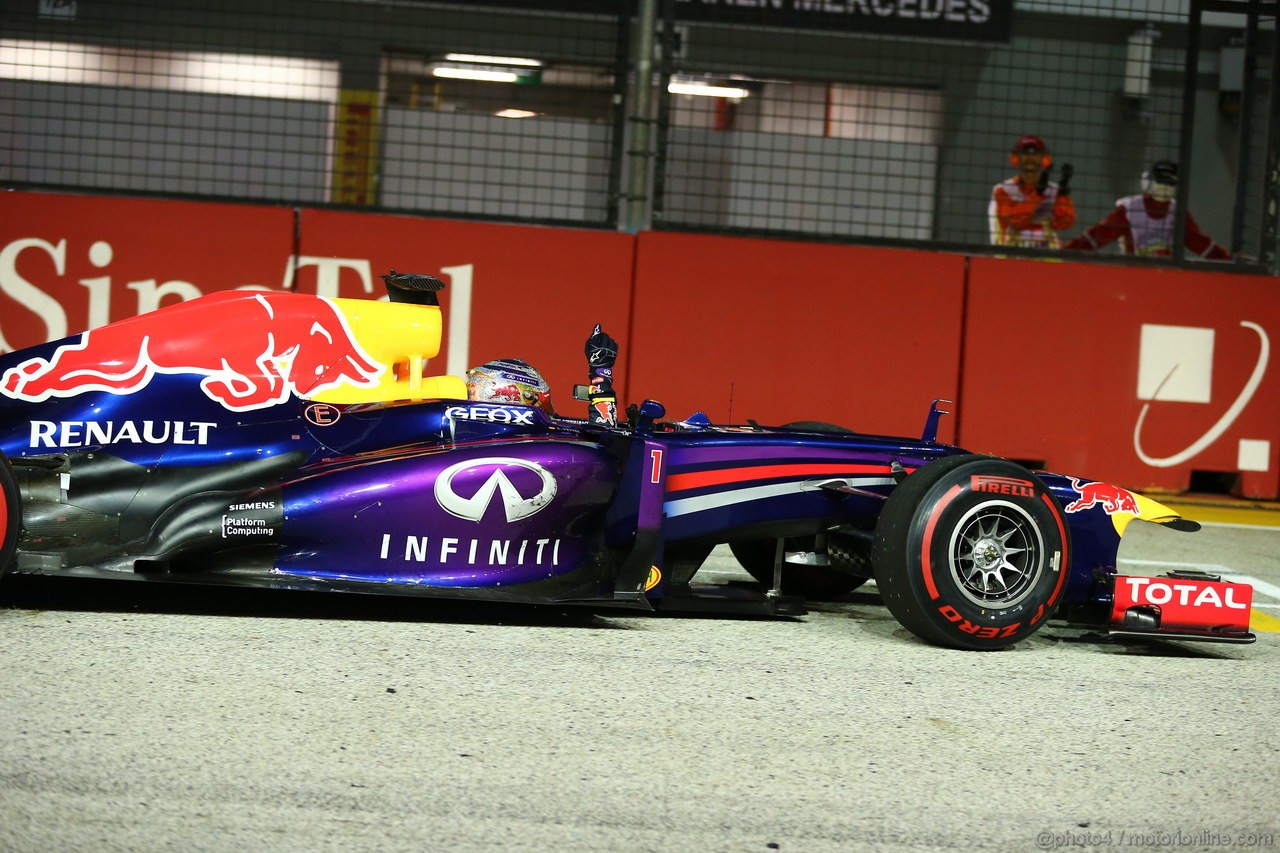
[[287, 440]]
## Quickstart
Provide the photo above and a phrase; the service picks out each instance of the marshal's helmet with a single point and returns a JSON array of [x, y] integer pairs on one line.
[[1030, 144], [1161, 180], [509, 380]]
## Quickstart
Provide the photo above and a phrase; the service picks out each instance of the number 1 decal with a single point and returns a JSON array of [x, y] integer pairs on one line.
[[655, 475]]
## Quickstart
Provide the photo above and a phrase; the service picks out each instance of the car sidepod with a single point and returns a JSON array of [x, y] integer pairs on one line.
[[516, 521]]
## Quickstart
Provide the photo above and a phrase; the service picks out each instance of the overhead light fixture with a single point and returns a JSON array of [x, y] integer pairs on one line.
[[521, 61], [514, 113], [475, 74], [175, 70], [707, 90]]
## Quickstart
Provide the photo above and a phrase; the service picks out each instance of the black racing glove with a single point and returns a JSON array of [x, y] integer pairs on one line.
[[602, 352], [1064, 183]]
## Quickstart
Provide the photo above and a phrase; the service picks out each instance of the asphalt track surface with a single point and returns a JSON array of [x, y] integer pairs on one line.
[[144, 718]]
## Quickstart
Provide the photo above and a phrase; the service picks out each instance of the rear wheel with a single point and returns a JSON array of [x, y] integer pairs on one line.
[[682, 560], [850, 558], [816, 426], [10, 515], [971, 553], [850, 565]]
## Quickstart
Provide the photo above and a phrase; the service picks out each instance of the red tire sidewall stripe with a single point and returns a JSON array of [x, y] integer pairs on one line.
[[926, 544], [1064, 566]]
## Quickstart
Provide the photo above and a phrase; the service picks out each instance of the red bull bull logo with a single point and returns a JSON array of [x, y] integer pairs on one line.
[[253, 349], [605, 411], [1112, 499]]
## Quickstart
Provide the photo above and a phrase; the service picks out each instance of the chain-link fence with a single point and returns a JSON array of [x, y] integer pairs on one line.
[[985, 125], [486, 112]]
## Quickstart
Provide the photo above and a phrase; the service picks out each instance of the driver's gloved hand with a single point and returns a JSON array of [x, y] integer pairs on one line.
[[601, 351]]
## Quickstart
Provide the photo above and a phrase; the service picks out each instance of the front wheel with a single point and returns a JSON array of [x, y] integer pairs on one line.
[[971, 553]]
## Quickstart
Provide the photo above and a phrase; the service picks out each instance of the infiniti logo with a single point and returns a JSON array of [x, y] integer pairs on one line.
[[517, 506]]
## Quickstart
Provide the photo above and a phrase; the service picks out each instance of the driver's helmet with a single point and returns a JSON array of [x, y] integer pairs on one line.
[[1161, 180], [509, 380]]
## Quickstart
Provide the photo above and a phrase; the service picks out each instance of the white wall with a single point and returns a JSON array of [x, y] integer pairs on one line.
[[163, 141]]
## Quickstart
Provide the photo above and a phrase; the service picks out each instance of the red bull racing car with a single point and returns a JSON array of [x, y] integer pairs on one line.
[[293, 441]]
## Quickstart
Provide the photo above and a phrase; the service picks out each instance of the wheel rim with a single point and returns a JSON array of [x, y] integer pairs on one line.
[[995, 554]]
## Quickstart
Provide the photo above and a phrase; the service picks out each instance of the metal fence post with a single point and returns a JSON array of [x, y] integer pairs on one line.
[[1271, 186], [640, 159], [1186, 139]]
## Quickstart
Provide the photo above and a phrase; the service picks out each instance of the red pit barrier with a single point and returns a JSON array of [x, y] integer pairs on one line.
[[1131, 375], [1135, 376]]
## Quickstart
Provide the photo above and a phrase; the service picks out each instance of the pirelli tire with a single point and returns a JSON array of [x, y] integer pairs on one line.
[[10, 515], [971, 552]]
